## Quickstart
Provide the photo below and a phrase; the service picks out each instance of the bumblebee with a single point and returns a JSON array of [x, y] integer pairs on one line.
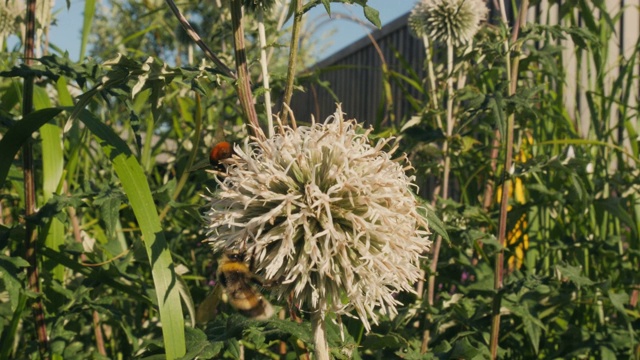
[[219, 152], [239, 284], [222, 150]]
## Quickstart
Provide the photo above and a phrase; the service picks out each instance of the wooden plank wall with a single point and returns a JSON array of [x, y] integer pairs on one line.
[[354, 75]]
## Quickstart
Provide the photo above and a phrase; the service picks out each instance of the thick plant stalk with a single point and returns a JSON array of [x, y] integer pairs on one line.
[[319, 330], [29, 187], [293, 58], [244, 88], [97, 330], [431, 77], [512, 75], [433, 266], [450, 121], [265, 71]]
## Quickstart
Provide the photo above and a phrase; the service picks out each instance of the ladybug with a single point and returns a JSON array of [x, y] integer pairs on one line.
[[222, 150]]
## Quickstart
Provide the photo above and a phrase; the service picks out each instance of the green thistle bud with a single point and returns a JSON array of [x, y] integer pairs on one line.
[[444, 20]]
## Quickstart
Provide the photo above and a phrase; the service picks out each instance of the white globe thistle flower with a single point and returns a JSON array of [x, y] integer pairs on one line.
[[444, 20], [325, 215]]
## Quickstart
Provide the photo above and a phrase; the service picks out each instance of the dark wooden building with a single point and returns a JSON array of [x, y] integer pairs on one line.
[[354, 77]]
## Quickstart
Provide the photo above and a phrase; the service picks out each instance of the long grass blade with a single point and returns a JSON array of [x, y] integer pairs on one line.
[[134, 183], [52, 166], [89, 12]]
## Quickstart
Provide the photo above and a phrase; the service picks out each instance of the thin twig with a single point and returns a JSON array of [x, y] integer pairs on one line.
[[29, 187], [198, 40]]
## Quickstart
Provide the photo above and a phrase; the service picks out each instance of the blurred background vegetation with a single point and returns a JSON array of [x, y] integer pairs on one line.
[[117, 139]]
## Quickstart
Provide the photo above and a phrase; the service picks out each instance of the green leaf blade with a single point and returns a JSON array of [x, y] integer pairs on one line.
[[134, 183]]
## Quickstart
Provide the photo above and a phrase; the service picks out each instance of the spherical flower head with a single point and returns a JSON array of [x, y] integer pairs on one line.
[[444, 20], [325, 215]]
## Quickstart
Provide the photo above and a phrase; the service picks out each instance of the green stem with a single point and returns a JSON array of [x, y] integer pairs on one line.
[[293, 56], [450, 120], [431, 75], [512, 78], [433, 266], [265, 71]]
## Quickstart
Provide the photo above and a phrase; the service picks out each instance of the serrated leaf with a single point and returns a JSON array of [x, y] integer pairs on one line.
[[463, 349], [618, 300], [110, 214], [199, 347], [435, 223], [572, 273], [301, 331], [533, 326]]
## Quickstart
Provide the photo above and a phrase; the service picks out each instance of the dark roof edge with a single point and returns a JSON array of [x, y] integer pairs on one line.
[[364, 41]]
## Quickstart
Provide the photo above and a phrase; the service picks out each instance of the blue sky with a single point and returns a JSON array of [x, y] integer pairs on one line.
[[344, 32], [66, 34]]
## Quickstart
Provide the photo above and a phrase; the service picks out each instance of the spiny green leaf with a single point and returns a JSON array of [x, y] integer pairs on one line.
[[572, 273]]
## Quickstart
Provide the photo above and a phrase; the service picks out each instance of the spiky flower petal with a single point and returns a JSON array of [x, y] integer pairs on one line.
[[324, 214], [441, 20]]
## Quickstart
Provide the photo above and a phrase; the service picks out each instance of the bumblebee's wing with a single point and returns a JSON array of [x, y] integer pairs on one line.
[[208, 308]]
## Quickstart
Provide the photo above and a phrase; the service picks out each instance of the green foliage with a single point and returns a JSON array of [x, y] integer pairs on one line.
[[574, 231], [117, 149]]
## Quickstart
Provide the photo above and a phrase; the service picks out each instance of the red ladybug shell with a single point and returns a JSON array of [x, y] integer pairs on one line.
[[220, 151]]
